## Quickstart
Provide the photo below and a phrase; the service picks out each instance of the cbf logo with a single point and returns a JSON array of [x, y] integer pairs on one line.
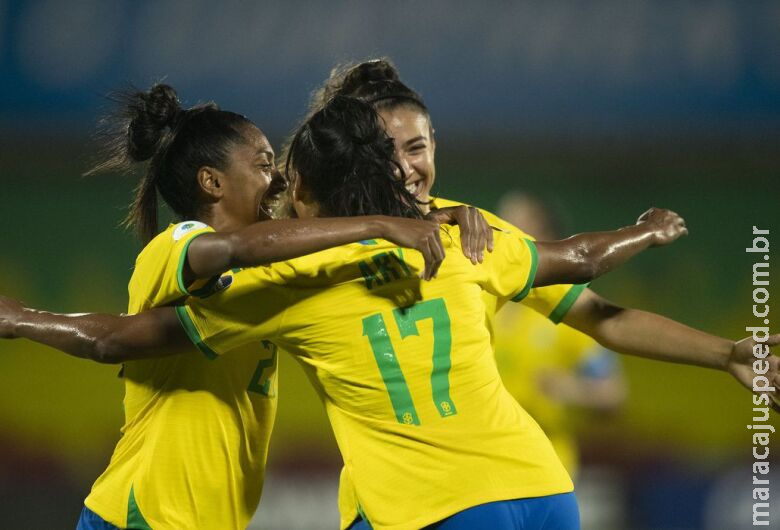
[[223, 283], [213, 288]]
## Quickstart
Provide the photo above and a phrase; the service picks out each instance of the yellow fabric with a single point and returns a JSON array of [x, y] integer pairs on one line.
[[528, 346], [423, 422], [542, 299], [194, 442]]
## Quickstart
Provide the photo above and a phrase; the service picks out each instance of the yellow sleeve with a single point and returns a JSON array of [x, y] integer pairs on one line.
[[250, 310], [158, 275], [511, 267], [552, 301]]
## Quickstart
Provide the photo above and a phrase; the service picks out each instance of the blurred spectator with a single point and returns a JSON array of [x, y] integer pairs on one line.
[[552, 370]]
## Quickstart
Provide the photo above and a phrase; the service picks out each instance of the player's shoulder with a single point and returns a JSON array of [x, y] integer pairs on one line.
[[326, 261], [173, 235], [493, 220]]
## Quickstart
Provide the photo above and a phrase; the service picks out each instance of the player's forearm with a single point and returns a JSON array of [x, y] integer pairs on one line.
[[290, 238], [271, 241], [585, 257], [649, 335], [99, 337]]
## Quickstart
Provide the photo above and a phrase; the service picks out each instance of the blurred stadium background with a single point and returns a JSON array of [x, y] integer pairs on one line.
[[602, 108]]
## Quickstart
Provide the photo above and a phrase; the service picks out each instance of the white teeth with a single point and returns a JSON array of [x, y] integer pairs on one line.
[[411, 188]]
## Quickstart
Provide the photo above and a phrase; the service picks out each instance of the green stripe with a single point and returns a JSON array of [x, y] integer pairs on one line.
[[183, 259], [135, 521], [362, 515], [375, 329], [436, 310], [566, 302], [192, 332], [531, 274]]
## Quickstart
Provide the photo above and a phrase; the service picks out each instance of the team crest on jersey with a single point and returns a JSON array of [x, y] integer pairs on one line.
[[223, 283], [185, 227]]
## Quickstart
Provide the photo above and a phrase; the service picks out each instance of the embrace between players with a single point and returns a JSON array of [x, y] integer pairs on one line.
[[339, 261]]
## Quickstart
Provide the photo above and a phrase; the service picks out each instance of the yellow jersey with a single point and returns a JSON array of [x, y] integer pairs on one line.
[[552, 302], [528, 347], [195, 439], [405, 369]]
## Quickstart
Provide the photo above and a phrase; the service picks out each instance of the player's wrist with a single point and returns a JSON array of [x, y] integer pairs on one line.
[[15, 323], [378, 226]]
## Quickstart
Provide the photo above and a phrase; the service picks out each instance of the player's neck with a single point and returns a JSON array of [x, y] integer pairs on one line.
[[220, 221]]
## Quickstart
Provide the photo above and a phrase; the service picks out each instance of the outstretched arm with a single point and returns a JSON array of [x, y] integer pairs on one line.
[[584, 257], [653, 336], [266, 242], [102, 338]]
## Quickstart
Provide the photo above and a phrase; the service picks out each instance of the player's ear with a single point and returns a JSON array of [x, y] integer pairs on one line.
[[210, 182], [302, 200]]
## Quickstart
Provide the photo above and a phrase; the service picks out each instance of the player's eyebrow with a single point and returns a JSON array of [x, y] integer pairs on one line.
[[413, 140]]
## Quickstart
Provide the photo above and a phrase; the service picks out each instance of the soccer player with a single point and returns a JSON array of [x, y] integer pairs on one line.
[[216, 171], [405, 368], [408, 122]]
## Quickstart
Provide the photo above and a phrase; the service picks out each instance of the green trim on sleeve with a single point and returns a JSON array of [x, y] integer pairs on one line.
[[531, 274], [182, 260], [135, 519], [566, 302], [192, 333]]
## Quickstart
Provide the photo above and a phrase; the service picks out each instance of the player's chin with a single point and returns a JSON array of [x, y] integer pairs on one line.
[[274, 208]]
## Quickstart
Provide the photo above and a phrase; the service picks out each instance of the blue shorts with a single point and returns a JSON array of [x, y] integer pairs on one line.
[[89, 520], [553, 512]]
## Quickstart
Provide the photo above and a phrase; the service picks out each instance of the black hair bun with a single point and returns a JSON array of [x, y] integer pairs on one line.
[[151, 113], [370, 72]]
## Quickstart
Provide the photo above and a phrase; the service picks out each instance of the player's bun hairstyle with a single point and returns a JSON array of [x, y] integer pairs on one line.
[[344, 158], [375, 81], [152, 126]]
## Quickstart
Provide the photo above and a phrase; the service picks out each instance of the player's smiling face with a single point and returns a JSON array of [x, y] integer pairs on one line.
[[250, 178], [412, 134]]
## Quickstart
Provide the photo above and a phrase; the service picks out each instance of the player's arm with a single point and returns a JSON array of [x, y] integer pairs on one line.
[[270, 241], [584, 257], [596, 384], [653, 336], [100, 337]]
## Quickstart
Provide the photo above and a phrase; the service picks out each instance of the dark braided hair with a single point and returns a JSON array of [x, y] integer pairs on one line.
[[177, 142], [344, 158]]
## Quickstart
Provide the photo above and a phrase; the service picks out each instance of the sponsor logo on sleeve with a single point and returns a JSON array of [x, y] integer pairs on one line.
[[186, 227]]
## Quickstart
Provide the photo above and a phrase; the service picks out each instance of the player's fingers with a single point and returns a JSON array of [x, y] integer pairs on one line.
[[476, 234], [425, 250], [773, 340], [467, 235], [481, 227], [489, 232], [774, 403], [438, 252]]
